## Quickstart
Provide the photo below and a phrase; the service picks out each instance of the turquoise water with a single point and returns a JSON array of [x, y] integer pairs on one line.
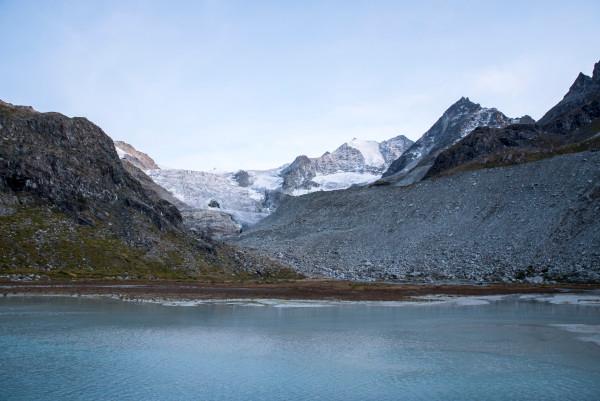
[[92, 349]]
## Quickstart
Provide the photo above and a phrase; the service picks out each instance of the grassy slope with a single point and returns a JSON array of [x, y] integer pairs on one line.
[[519, 156], [40, 240]]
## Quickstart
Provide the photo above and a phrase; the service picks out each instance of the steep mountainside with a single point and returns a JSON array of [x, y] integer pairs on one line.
[[457, 122], [510, 203], [573, 110], [355, 162], [393, 148], [572, 125], [69, 207], [535, 221], [249, 196]]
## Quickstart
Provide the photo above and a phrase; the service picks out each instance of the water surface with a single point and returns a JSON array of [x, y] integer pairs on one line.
[[54, 348]]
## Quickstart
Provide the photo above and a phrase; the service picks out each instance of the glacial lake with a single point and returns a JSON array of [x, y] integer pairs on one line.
[[509, 348]]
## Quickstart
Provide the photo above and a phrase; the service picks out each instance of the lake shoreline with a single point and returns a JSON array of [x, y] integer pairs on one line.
[[308, 290]]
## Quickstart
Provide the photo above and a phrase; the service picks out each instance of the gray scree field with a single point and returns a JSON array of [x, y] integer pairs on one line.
[[535, 222]]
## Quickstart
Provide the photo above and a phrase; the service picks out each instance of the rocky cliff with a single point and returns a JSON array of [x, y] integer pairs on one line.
[[572, 125], [458, 121], [69, 207], [356, 162]]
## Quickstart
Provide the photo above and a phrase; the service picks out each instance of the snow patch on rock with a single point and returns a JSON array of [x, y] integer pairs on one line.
[[370, 151]]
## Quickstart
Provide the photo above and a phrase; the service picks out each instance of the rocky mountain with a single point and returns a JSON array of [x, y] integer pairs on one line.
[[249, 196], [458, 121], [572, 125], [393, 148], [513, 203], [356, 162], [578, 107], [69, 207], [139, 159], [534, 221]]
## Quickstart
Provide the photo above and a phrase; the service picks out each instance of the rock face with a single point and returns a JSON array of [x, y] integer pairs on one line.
[[509, 223], [249, 196], [210, 223], [70, 207], [579, 107], [571, 125], [356, 162], [393, 148], [139, 159], [242, 178], [457, 122], [72, 164], [299, 174]]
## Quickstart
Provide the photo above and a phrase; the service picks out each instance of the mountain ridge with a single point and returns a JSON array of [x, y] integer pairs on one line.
[[510, 203], [571, 125], [459, 120], [71, 208], [250, 195]]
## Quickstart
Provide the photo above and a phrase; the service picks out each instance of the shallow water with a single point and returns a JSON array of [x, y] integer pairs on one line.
[[54, 348]]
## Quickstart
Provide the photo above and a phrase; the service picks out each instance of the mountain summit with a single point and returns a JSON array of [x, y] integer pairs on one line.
[[353, 163], [577, 106], [460, 119]]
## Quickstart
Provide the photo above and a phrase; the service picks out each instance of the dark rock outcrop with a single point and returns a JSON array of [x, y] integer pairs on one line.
[[72, 164], [299, 174], [242, 178], [578, 108], [69, 207], [458, 120], [568, 126]]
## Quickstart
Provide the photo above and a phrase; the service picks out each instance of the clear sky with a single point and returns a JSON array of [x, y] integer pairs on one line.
[[252, 84]]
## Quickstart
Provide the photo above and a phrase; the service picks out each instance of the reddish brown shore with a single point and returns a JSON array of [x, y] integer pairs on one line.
[[302, 289]]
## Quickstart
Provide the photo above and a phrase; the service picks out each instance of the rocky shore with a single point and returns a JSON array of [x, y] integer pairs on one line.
[[300, 290]]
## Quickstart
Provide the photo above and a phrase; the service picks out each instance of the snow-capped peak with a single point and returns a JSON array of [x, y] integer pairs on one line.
[[369, 150]]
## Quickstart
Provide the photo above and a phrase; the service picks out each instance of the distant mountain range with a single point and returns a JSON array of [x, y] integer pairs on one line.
[[492, 199], [572, 124], [356, 162], [456, 123], [249, 196], [480, 196]]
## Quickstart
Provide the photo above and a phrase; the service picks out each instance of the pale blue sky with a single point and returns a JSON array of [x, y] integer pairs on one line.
[[252, 84]]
